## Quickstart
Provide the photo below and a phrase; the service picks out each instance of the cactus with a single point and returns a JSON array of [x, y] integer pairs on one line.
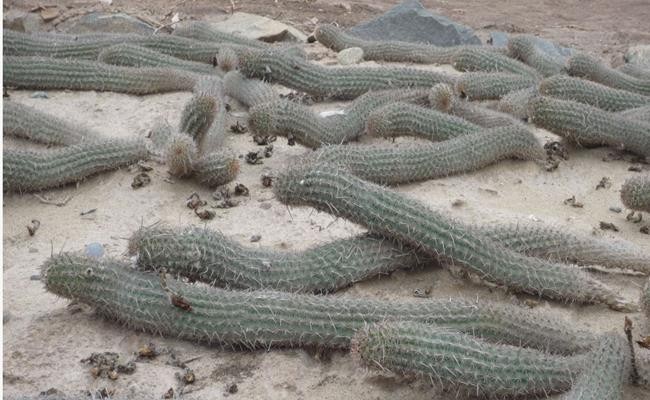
[[331, 82], [584, 66], [227, 59], [645, 304], [475, 366], [199, 112], [29, 123], [337, 40], [286, 117], [489, 86], [180, 153], [635, 193], [515, 103], [592, 93], [485, 60], [640, 113], [27, 171], [266, 318], [442, 98], [131, 55], [409, 163], [606, 368], [384, 212], [635, 70], [216, 168], [524, 48], [52, 74], [401, 118], [202, 31], [590, 126], [209, 256], [249, 92]]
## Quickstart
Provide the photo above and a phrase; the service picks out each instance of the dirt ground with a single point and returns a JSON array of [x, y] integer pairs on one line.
[[45, 339]]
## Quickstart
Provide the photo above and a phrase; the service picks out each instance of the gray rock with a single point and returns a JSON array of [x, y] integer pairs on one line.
[[23, 21], [94, 250], [498, 39], [106, 22], [352, 55], [638, 55], [39, 95], [258, 27], [409, 21]]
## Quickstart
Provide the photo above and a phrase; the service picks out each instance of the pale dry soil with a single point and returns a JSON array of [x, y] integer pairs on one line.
[[44, 339]]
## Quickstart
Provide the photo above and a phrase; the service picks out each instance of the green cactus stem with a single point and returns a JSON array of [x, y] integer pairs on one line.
[[200, 111], [635, 70], [216, 168], [28, 122], [640, 113], [485, 60], [202, 31], [180, 154], [584, 66], [515, 103], [249, 92], [635, 193], [524, 48], [491, 86]]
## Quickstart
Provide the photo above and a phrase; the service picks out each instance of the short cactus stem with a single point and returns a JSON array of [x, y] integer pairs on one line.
[[587, 67], [635, 193], [637, 71], [491, 86]]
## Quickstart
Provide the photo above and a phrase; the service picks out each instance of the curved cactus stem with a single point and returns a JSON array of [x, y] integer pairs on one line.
[[28, 122]]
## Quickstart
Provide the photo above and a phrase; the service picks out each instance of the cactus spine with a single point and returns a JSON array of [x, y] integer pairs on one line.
[[490, 86], [484, 60], [588, 67], [635, 193], [329, 188], [524, 48], [265, 318], [29, 123], [200, 111]]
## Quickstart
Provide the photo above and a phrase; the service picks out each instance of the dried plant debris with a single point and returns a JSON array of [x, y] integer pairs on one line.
[[205, 214], [571, 201], [224, 198], [268, 151], [254, 157], [148, 351], [140, 180], [256, 238], [108, 365], [264, 140], [241, 190], [634, 217], [608, 226], [267, 179], [645, 229], [194, 201], [238, 128], [169, 394], [33, 227], [605, 183], [635, 168], [291, 139], [187, 377]]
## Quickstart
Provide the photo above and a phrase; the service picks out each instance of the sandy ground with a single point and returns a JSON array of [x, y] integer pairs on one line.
[[44, 339]]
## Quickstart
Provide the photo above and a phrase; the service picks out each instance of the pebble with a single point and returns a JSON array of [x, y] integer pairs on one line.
[[615, 209], [94, 250], [352, 55], [256, 238], [39, 95]]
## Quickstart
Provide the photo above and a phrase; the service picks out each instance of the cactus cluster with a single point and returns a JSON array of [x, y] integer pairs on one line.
[[27, 122], [249, 92], [485, 60], [635, 193], [330, 188], [590, 68], [491, 86], [525, 48]]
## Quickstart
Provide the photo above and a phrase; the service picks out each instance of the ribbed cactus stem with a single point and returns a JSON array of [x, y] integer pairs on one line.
[[388, 213], [387, 164], [635, 193], [474, 366], [180, 153], [216, 168], [524, 48], [227, 59], [27, 171], [202, 31], [249, 92], [592, 93], [491, 86], [635, 70], [200, 111], [590, 68], [54, 73], [640, 113], [266, 318], [485, 60], [590, 126], [515, 103], [28, 122], [332, 82]]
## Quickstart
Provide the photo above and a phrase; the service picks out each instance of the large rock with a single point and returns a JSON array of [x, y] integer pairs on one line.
[[411, 22], [258, 27], [22, 21], [106, 22], [639, 55]]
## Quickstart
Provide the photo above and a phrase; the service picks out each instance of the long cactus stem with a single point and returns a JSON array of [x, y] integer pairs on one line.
[[515, 103], [332, 82], [590, 68], [637, 71], [590, 126], [484, 60], [249, 92], [635, 193], [605, 370], [131, 55], [202, 31], [491, 86], [385, 212], [524, 48], [475, 366], [640, 113], [410, 163], [592, 93], [28, 122], [337, 40], [53, 74], [209, 256], [26, 171], [266, 318]]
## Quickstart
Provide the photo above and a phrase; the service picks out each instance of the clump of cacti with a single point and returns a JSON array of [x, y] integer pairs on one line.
[[525, 48], [202, 31], [491, 86], [515, 103], [388, 164], [635, 193], [249, 319], [486, 60], [475, 366], [592, 93], [30, 123], [640, 113], [590, 68], [401, 118], [54, 73], [589, 126], [331, 82], [249, 92], [27, 171], [330, 188]]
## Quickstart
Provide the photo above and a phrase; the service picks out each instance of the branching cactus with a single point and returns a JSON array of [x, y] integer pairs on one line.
[[248, 319], [635, 193], [590, 68], [330, 188], [249, 92], [485, 60], [27, 171], [515, 103], [28, 122], [640, 113], [491, 86], [54, 73], [524, 48], [474, 366], [592, 93], [590, 126], [332, 82]]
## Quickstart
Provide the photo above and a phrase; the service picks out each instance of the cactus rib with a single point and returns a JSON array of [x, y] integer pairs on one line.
[[640, 113], [524, 48], [490, 86], [27, 171], [216, 168], [477, 367], [249, 92], [584, 66], [635, 70], [384, 212], [484, 60], [515, 103], [200, 111], [590, 126], [265, 318], [635, 193], [28, 122], [53, 73]]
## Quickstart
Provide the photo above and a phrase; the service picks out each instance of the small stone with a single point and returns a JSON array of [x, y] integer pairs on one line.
[[50, 13], [33, 250], [35, 278], [352, 55], [615, 209], [645, 229], [39, 95], [256, 238], [458, 203], [94, 249], [608, 226], [266, 206], [258, 27], [22, 21], [346, 6], [639, 55]]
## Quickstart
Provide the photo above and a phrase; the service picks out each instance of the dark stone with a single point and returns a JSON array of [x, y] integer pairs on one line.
[[498, 39], [106, 22], [409, 21]]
